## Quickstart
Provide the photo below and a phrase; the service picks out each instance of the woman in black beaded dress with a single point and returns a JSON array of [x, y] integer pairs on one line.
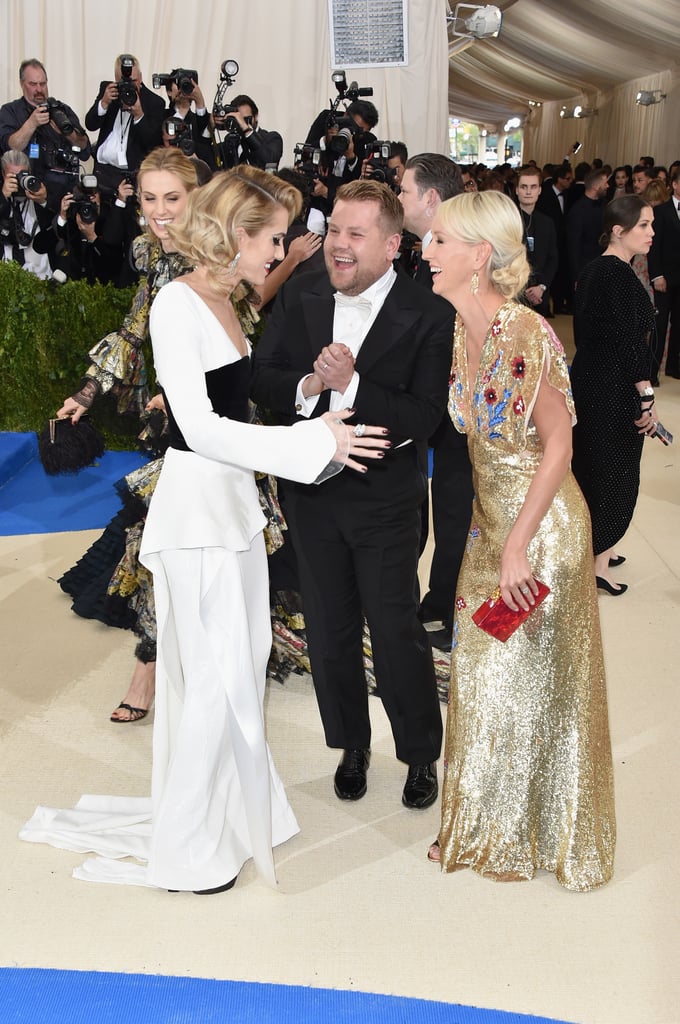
[[610, 377]]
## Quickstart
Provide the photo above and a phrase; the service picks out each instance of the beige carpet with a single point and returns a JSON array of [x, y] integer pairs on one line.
[[359, 906]]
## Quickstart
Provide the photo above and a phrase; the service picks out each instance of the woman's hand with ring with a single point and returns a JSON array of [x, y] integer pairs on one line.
[[516, 580], [371, 444]]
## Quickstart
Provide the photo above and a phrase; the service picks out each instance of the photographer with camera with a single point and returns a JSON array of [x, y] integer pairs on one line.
[[386, 162], [46, 130], [128, 117], [183, 127], [246, 142], [23, 212], [76, 241], [342, 133]]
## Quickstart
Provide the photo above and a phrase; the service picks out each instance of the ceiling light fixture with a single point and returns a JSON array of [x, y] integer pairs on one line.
[[483, 23], [578, 111], [647, 98]]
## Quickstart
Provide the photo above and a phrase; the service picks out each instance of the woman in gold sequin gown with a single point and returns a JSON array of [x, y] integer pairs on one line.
[[528, 771]]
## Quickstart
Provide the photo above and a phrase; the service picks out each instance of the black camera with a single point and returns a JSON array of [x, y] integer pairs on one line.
[[345, 124], [377, 168], [59, 115], [222, 112], [183, 79], [85, 209], [84, 204], [12, 230], [180, 134], [127, 90], [27, 182], [306, 161]]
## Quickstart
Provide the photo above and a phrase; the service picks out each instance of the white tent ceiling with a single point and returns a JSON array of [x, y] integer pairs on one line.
[[554, 50]]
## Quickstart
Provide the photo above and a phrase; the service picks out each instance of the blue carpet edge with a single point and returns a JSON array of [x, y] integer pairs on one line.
[[31, 994]]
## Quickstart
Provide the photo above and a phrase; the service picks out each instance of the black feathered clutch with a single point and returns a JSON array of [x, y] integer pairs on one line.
[[67, 447]]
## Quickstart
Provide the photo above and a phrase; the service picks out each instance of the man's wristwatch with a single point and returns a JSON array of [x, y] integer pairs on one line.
[[646, 393]]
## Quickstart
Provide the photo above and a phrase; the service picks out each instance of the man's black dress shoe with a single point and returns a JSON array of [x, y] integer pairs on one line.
[[421, 786], [350, 775]]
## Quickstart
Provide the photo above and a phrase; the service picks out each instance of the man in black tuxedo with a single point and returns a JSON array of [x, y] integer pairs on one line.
[[552, 202], [428, 180], [664, 273], [539, 239], [380, 345], [127, 131]]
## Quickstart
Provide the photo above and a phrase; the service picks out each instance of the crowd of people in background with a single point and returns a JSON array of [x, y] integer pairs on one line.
[[59, 222]]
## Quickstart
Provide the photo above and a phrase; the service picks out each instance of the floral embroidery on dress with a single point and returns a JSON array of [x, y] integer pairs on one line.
[[496, 328], [460, 603], [518, 406], [518, 367]]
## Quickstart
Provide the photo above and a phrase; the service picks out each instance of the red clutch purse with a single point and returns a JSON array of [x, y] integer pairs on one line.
[[495, 618]]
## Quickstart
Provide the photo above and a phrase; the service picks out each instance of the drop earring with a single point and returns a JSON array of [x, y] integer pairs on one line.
[[231, 268], [474, 283]]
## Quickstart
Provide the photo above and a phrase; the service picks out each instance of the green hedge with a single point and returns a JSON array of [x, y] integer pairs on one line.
[[46, 331]]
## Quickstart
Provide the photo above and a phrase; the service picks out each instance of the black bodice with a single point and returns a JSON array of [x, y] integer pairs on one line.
[[227, 388]]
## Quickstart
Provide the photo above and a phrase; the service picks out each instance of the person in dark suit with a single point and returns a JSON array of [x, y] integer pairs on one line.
[[250, 144], [364, 336], [127, 132], [664, 273], [584, 224], [539, 239], [428, 180], [46, 130], [552, 202]]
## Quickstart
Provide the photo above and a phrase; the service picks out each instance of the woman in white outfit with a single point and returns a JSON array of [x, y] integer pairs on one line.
[[217, 799]]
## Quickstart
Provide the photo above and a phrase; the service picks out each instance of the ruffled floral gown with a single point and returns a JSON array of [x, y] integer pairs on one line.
[[528, 780]]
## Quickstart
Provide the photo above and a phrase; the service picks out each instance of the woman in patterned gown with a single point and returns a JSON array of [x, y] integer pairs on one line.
[[528, 771], [107, 583]]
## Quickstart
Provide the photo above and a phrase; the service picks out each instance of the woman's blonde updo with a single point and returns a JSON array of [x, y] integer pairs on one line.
[[491, 217], [245, 197]]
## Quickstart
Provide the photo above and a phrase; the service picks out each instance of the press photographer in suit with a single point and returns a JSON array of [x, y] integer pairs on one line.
[[253, 145], [46, 130], [364, 336], [128, 117]]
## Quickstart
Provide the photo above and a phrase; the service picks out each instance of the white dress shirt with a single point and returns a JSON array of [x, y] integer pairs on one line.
[[351, 324]]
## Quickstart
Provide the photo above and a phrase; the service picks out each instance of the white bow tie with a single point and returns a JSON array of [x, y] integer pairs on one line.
[[358, 302]]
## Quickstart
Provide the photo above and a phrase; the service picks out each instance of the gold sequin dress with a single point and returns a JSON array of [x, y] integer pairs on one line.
[[528, 770]]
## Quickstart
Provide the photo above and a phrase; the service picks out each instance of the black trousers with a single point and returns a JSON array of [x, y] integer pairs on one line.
[[668, 308], [357, 555], [452, 495]]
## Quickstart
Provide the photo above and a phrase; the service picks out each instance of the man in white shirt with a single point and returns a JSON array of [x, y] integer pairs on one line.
[[129, 126]]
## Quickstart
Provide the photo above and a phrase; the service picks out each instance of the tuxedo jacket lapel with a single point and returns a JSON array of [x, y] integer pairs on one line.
[[394, 319], [318, 308]]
